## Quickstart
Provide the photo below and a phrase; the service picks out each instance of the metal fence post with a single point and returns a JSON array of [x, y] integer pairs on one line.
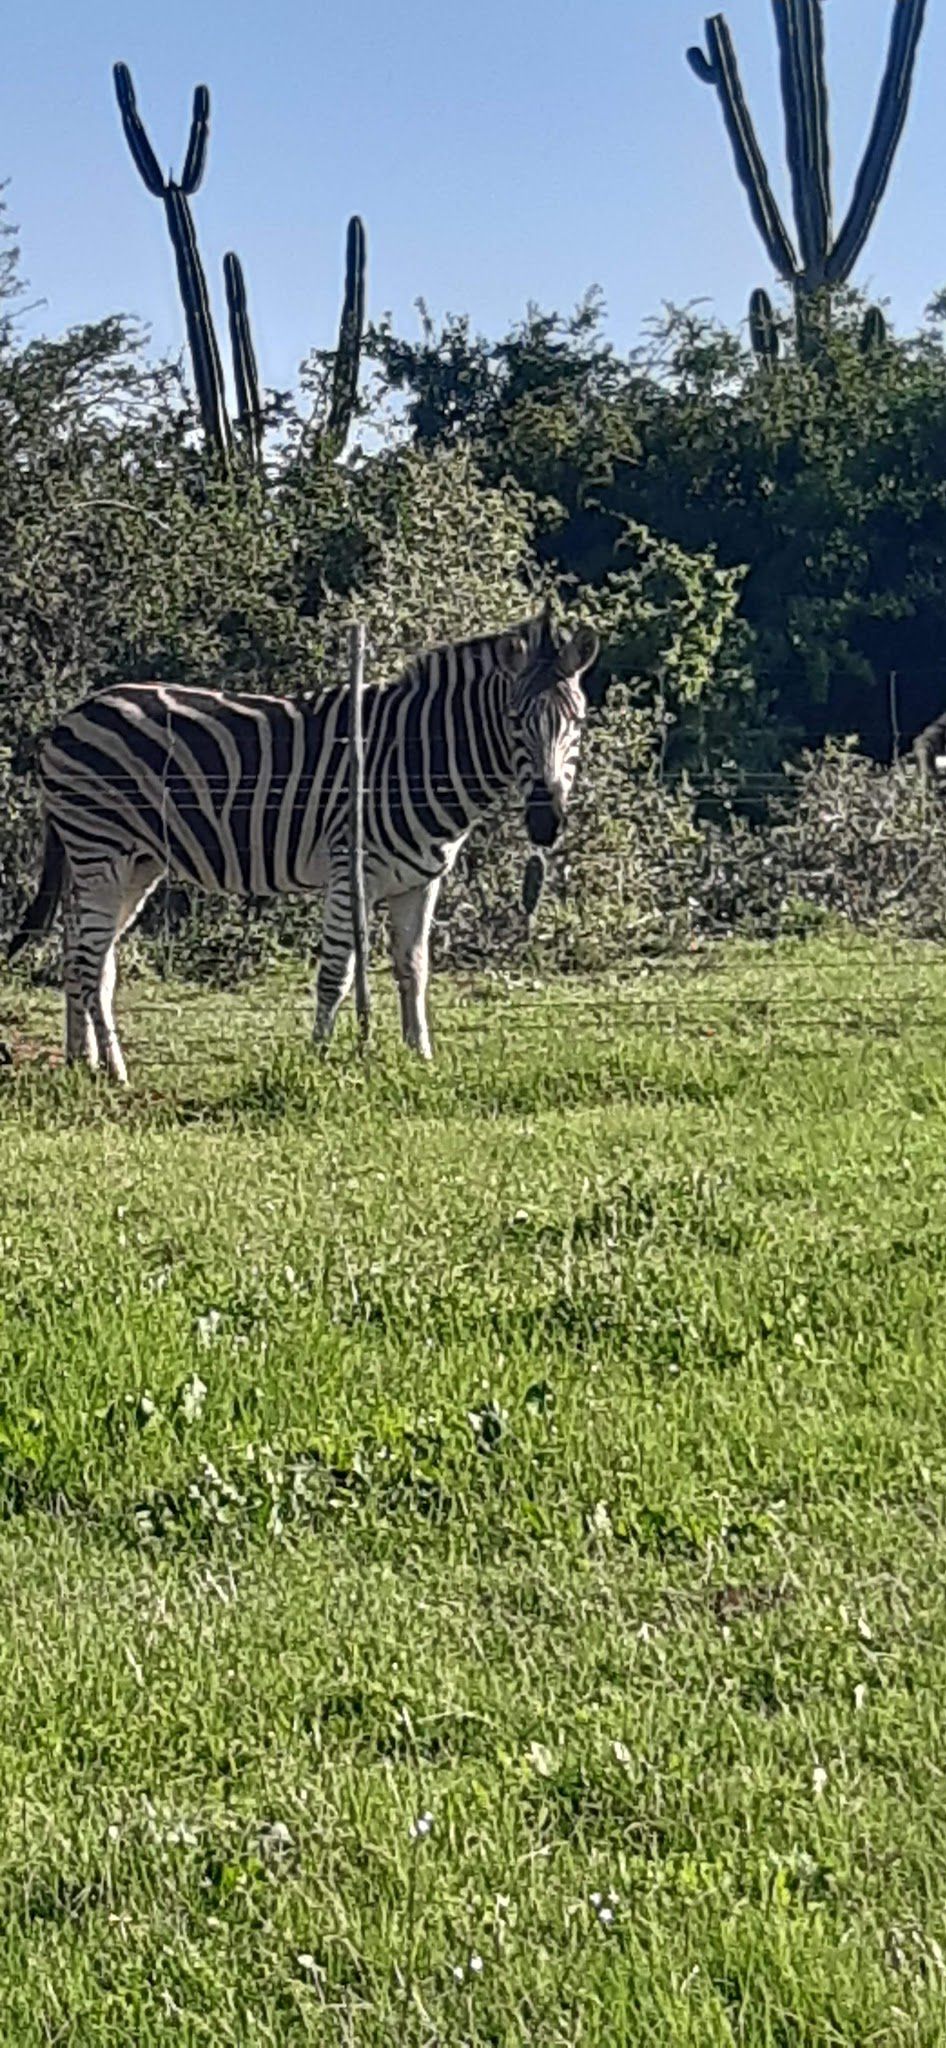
[[356, 824], [893, 685]]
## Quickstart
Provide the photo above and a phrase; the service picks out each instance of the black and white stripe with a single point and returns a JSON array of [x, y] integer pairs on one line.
[[248, 795]]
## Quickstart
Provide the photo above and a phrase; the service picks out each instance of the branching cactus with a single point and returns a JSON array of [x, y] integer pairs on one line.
[[350, 334], [177, 194], [818, 259], [245, 373]]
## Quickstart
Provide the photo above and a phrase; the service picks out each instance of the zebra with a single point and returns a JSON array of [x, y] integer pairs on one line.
[[248, 795]]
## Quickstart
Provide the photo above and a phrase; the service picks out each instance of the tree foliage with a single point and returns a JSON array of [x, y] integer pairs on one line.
[[758, 546], [822, 489], [124, 556]]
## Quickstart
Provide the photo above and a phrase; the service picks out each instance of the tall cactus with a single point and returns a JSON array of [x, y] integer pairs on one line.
[[350, 334], [177, 194], [821, 259], [245, 373], [344, 390]]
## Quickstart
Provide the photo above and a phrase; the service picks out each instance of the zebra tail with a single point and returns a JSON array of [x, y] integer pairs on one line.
[[45, 903]]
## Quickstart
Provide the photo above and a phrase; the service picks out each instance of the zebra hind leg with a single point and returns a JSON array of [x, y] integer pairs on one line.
[[336, 961], [81, 1047], [332, 984], [410, 917], [103, 912]]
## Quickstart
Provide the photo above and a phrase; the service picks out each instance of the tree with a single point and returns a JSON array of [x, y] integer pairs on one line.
[[826, 488]]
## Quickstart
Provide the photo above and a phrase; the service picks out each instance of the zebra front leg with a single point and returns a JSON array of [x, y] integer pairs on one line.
[[336, 960], [410, 917]]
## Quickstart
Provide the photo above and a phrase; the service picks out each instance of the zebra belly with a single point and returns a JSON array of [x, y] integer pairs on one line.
[[386, 876]]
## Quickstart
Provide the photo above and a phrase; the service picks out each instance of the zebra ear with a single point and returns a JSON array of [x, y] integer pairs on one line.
[[580, 653], [547, 641], [512, 653]]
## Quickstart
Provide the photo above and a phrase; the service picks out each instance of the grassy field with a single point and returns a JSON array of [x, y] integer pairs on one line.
[[552, 1443]]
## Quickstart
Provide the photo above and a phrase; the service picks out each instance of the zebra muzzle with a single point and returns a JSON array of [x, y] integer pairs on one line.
[[542, 822]]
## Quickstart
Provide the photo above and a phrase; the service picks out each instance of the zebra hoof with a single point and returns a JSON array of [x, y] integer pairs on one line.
[[533, 883]]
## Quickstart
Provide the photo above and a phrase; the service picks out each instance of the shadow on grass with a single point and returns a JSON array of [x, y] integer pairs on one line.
[[506, 1070], [395, 1086]]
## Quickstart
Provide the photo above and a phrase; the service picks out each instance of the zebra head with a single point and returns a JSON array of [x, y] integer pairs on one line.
[[546, 712]]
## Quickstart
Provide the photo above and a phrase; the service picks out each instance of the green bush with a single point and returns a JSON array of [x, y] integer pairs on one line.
[[121, 559]]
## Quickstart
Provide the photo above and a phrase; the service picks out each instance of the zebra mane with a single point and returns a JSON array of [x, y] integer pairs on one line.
[[422, 666]]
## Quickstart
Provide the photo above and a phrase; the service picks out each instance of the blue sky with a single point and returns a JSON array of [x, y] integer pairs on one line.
[[499, 150]]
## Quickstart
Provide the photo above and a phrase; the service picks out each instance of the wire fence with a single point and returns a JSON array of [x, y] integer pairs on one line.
[[656, 868], [695, 1042]]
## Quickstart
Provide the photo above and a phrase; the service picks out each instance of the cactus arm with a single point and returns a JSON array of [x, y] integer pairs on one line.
[[205, 355], [245, 372], [763, 330], [722, 71], [350, 333], [873, 335], [889, 119], [355, 260], [196, 158], [202, 340], [799, 26], [145, 161], [700, 64]]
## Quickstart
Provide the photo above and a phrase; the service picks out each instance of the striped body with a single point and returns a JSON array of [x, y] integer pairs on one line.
[[249, 796]]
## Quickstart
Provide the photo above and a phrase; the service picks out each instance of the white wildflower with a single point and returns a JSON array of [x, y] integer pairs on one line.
[[180, 1835], [603, 1906], [274, 1839], [192, 1397]]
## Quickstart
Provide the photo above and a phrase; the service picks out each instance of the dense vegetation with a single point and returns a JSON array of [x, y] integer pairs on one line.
[[553, 1441], [761, 546], [822, 485]]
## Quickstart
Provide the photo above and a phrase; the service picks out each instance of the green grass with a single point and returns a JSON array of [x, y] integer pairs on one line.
[[554, 1441]]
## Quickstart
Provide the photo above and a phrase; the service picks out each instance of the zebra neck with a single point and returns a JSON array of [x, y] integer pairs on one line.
[[468, 743]]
